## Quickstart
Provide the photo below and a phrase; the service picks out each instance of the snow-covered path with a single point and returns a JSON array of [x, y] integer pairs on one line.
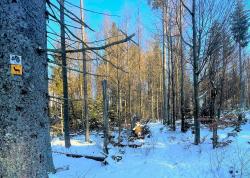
[[166, 154]]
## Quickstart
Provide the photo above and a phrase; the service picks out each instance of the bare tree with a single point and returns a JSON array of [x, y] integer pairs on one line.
[[85, 82], [65, 79]]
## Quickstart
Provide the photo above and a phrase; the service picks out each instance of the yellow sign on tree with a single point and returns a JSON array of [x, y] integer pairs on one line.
[[16, 69]]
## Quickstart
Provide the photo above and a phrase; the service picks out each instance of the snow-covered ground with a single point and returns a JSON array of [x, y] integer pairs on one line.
[[166, 154]]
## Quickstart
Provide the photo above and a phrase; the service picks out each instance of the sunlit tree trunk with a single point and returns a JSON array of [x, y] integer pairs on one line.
[[85, 82], [24, 123]]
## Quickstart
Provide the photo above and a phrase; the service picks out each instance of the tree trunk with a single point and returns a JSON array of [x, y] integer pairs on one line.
[[105, 116], [85, 82], [212, 115], [152, 102], [169, 79], [182, 76], [241, 85], [129, 103], [129, 87], [173, 73], [118, 102], [139, 64], [213, 93], [222, 81], [164, 108], [65, 79], [173, 83], [25, 149], [195, 78]]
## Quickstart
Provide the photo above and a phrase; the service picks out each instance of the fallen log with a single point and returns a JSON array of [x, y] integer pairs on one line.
[[96, 158], [124, 145]]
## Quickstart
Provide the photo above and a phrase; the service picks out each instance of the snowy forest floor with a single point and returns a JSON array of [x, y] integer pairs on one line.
[[166, 154]]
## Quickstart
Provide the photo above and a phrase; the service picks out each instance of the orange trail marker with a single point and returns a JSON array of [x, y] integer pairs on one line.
[[16, 69]]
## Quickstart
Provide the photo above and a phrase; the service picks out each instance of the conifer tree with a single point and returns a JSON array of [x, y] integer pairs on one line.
[[239, 27]]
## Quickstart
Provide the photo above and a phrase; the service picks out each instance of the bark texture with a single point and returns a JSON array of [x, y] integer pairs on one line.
[[195, 77], [25, 149]]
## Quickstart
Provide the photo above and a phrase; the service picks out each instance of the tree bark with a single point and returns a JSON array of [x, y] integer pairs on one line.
[[105, 116], [172, 72], [139, 64], [118, 99], [241, 85], [182, 76], [164, 108], [25, 149], [85, 82], [65, 79], [173, 83], [195, 77], [168, 74], [222, 81], [213, 116]]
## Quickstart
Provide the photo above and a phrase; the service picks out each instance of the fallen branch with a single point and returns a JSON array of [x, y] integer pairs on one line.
[[129, 145], [92, 48], [96, 158]]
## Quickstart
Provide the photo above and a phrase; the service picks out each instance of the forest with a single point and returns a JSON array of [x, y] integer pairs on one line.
[[115, 88]]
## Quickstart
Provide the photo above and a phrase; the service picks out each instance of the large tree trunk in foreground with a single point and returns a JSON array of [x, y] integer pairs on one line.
[[25, 149]]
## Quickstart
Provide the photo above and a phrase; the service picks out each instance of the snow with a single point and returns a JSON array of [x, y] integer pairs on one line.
[[166, 154]]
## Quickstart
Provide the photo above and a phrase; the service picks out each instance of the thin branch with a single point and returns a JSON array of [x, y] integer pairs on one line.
[[191, 13], [81, 41], [76, 19], [101, 13], [92, 48], [67, 24], [127, 36], [75, 70]]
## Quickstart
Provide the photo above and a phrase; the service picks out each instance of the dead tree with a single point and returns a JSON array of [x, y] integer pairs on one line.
[[85, 84], [65, 79], [105, 116]]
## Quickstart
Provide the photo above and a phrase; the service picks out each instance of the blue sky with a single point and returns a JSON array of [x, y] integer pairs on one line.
[[119, 7], [122, 8], [116, 7], [149, 18]]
